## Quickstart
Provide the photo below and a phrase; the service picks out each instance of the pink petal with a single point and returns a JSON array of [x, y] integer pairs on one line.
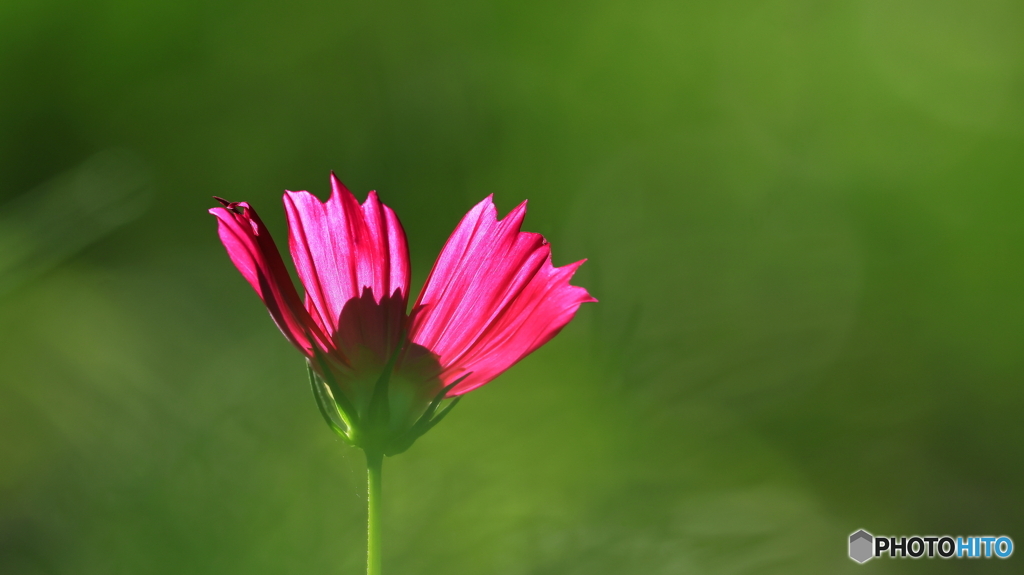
[[254, 253], [492, 298], [341, 250]]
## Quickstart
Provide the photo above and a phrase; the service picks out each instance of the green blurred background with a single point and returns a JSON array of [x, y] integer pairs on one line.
[[803, 221]]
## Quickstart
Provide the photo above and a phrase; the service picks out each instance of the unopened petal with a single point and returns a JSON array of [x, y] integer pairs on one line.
[[254, 253]]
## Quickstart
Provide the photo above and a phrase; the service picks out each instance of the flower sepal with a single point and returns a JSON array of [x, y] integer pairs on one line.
[[339, 415], [373, 431], [428, 420]]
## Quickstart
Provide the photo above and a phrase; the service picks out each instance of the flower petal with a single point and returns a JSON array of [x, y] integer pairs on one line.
[[492, 298], [254, 253], [341, 249]]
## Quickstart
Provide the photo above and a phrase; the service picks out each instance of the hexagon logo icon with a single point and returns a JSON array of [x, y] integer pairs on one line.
[[861, 544]]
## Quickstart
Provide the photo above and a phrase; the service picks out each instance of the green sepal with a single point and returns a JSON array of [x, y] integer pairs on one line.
[[425, 422], [379, 413], [346, 410], [322, 405], [430, 424], [429, 412]]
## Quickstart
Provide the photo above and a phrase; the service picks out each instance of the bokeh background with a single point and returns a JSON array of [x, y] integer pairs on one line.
[[803, 220]]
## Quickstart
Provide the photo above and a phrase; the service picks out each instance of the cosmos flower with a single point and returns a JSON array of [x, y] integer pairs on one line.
[[380, 373]]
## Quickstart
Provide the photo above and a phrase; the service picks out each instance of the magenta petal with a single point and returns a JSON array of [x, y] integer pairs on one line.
[[341, 250], [254, 253], [492, 298]]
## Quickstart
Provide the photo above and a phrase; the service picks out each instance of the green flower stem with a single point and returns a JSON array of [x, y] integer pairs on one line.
[[374, 463]]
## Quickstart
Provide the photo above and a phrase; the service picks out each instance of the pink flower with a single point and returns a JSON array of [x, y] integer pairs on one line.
[[378, 373]]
